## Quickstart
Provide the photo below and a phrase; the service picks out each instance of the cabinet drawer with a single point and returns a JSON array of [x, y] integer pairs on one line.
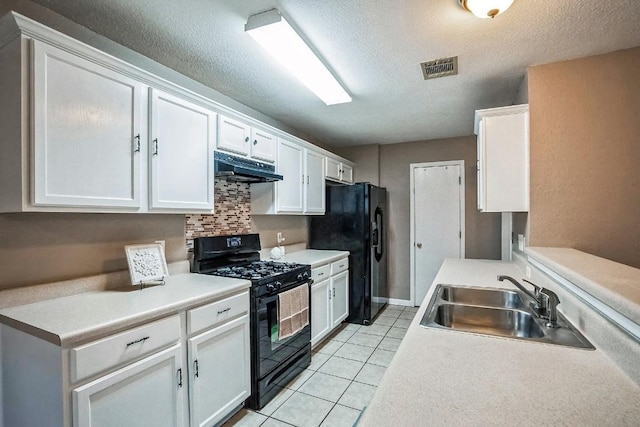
[[211, 314], [98, 356], [318, 274], [339, 266]]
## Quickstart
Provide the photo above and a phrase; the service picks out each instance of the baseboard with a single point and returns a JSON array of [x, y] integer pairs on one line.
[[404, 302]]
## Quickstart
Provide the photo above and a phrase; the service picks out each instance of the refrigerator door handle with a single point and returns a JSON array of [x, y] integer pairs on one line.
[[379, 232]]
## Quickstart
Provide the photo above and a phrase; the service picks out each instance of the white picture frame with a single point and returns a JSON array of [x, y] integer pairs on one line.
[[147, 264]]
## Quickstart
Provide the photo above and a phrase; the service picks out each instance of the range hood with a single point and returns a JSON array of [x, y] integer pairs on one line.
[[233, 168]]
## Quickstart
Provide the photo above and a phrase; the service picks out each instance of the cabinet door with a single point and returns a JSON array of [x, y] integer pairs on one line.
[[333, 169], [340, 297], [219, 371], [263, 145], [320, 310], [480, 167], [149, 392], [86, 132], [346, 173], [180, 153], [233, 135], [314, 183], [289, 191]]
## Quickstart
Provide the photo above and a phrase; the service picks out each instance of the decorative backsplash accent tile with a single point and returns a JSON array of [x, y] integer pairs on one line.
[[232, 212]]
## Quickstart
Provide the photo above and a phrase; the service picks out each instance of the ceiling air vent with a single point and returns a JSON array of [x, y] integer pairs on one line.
[[440, 68]]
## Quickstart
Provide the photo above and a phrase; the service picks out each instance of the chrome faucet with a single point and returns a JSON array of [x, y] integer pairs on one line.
[[544, 301]]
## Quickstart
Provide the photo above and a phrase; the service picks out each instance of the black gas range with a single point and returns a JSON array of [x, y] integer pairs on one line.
[[274, 361]]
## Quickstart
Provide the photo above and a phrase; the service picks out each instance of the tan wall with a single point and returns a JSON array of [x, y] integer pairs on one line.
[[585, 149], [47, 247], [294, 228], [482, 229], [366, 158]]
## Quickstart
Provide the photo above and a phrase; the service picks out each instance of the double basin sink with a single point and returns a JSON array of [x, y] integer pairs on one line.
[[498, 312]]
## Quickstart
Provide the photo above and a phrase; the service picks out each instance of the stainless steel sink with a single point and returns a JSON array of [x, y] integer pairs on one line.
[[487, 297], [497, 312], [485, 320]]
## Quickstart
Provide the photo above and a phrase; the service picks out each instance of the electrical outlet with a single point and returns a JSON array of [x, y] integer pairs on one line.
[[280, 238]]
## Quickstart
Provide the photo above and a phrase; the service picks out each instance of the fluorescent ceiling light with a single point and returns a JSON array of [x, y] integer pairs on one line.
[[274, 33]]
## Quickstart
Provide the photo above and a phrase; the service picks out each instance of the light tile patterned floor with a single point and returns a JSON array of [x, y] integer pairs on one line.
[[344, 373]]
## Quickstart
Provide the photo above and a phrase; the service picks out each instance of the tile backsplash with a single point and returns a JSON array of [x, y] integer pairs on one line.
[[232, 212]]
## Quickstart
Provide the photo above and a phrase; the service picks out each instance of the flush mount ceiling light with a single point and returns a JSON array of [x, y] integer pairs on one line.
[[486, 8], [274, 33]]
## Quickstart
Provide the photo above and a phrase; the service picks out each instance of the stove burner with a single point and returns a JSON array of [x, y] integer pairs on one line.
[[256, 270]]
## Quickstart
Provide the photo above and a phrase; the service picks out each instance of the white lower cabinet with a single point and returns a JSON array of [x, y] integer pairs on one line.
[[149, 392], [329, 298], [136, 377], [219, 371], [320, 310]]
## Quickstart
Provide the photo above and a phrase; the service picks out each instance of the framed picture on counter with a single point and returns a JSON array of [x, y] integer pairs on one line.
[[147, 264]]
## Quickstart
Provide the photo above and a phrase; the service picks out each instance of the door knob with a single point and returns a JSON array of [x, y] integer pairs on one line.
[[419, 245]]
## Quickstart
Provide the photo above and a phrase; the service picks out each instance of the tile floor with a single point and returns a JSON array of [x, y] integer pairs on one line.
[[344, 373]]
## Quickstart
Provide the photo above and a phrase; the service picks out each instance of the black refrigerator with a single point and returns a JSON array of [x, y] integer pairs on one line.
[[355, 222]]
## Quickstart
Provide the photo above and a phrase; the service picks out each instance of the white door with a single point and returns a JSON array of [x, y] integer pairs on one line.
[[438, 220], [86, 132], [340, 297], [320, 310], [181, 153], [233, 135], [333, 169], [149, 392], [314, 183], [219, 371], [346, 173], [289, 190]]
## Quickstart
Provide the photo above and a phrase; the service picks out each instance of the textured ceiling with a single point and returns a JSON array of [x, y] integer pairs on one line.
[[373, 46]]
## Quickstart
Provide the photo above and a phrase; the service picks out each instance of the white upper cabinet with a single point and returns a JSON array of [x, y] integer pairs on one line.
[[338, 171], [237, 137], [180, 153], [233, 135], [503, 159], [86, 132], [314, 185], [290, 190], [302, 190], [83, 131], [263, 145]]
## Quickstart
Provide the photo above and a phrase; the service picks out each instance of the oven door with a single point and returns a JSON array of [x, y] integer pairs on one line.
[[273, 352]]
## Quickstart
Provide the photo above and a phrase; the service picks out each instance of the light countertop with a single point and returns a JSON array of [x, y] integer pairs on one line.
[[72, 319], [449, 377], [313, 257], [614, 284]]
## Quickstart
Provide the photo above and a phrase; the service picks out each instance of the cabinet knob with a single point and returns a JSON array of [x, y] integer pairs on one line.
[[246, 139], [255, 142], [419, 245]]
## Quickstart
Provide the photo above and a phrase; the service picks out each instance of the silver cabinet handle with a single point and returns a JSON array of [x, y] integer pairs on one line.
[[155, 141], [137, 138], [334, 292], [320, 274], [179, 375], [224, 311], [195, 368]]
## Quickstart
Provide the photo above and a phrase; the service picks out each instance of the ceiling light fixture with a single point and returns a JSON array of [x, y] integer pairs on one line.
[[274, 33], [485, 8]]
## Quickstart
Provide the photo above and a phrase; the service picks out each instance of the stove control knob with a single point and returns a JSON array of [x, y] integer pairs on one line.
[[301, 277], [271, 287]]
